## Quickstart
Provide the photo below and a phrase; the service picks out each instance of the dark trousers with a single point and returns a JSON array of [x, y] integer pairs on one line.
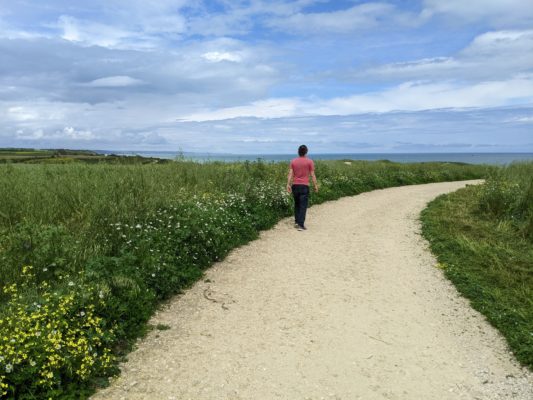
[[301, 198]]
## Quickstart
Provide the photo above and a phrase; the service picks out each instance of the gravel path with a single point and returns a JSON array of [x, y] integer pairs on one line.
[[352, 308]]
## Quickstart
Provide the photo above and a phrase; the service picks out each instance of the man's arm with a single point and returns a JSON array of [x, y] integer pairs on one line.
[[315, 183], [289, 180]]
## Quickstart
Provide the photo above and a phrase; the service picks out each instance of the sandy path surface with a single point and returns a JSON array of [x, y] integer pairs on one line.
[[352, 308]]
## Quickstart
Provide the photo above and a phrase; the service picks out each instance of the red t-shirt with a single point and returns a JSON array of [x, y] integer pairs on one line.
[[301, 168]]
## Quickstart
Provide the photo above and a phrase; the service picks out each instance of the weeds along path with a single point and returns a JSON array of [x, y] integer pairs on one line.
[[352, 308]]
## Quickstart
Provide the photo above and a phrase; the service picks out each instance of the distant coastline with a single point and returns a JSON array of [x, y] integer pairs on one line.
[[26, 155], [469, 158]]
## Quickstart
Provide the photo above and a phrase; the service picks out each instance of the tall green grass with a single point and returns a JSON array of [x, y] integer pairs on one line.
[[117, 239], [508, 197], [483, 238]]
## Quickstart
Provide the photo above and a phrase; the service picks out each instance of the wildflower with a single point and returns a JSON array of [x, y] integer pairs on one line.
[[9, 368], [82, 313], [71, 283], [153, 275], [45, 269], [33, 363]]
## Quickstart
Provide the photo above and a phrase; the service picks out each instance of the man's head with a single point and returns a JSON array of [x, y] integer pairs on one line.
[[302, 150]]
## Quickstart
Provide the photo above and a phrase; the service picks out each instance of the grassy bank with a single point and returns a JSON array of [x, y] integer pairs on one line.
[[64, 156], [483, 238], [88, 251]]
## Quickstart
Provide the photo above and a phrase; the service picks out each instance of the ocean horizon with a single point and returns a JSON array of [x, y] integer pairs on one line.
[[469, 158]]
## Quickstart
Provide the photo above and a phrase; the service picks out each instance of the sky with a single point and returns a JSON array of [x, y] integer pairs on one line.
[[263, 77]]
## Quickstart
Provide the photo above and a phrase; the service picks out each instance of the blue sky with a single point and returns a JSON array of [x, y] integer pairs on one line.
[[262, 76]]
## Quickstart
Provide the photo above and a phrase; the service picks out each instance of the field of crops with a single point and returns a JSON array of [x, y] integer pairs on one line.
[[483, 238], [88, 251]]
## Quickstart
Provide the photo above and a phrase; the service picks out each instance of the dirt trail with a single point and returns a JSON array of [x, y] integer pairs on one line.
[[352, 308]]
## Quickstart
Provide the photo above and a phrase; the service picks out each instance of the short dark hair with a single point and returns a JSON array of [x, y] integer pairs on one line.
[[302, 150]]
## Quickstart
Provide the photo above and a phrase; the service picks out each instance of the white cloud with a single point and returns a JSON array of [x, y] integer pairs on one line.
[[515, 43], [409, 96], [217, 56], [183, 76], [271, 108], [526, 119], [91, 33], [72, 133], [30, 135], [131, 125], [240, 17], [115, 82], [360, 17], [21, 114], [491, 55], [498, 12], [414, 96]]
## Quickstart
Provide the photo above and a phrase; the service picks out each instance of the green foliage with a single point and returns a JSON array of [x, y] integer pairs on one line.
[[508, 196], [141, 233], [64, 156], [482, 238], [54, 341]]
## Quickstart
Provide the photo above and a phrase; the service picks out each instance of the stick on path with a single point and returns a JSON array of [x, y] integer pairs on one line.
[[352, 308]]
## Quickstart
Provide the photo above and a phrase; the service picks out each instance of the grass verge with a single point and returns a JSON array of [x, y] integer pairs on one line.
[[481, 236]]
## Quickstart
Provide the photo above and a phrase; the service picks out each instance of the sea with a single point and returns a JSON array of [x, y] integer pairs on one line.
[[468, 158]]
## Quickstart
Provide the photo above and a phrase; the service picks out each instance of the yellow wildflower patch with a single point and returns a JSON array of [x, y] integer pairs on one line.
[[59, 337]]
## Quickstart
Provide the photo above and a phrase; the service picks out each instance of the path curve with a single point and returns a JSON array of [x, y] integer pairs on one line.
[[352, 308]]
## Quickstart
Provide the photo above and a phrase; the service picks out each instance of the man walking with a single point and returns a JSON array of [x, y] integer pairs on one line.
[[299, 171]]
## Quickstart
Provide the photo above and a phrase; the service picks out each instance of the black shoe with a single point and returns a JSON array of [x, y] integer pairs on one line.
[[302, 228]]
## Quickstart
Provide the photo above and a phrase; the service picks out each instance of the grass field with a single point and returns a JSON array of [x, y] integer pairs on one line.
[[88, 251], [483, 238]]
